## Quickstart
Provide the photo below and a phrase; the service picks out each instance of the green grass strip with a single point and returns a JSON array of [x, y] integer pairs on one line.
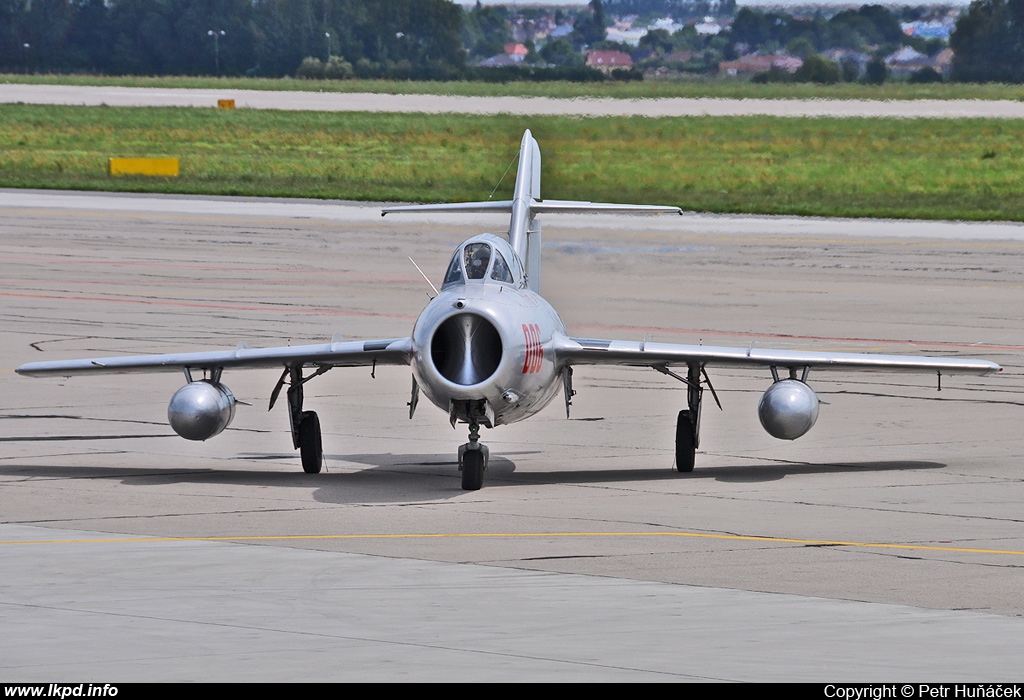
[[927, 168]]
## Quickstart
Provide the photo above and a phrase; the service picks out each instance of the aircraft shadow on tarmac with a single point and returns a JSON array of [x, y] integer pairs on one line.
[[779, 469], [391, 478], [501, 471]]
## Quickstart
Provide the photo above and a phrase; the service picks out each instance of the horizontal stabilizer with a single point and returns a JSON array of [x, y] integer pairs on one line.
[[551, 206], [555, 206], [465, 207]]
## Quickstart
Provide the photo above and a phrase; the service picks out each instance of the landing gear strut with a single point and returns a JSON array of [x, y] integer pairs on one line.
[[473, 460], [306, 436], [688, 422]]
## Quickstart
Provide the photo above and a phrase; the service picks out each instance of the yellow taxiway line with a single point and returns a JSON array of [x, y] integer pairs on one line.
[[515, 535]]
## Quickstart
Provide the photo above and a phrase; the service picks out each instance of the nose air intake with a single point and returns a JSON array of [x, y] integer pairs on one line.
[[466, 349]]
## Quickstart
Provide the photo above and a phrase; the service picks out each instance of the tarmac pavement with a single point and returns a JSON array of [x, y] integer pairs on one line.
[[885, 545]]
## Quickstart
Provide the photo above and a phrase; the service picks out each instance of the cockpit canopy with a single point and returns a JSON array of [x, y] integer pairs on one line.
[[484, 258]]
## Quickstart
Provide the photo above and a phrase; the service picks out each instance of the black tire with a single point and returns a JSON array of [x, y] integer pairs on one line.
[[472, 470], [686, 448], [311, 447]]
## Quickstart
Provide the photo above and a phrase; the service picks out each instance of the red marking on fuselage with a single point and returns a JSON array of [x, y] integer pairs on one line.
[[534, 350]]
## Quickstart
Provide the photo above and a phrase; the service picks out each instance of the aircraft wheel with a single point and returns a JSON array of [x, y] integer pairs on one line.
[[311, 447], [686, 449], [472, 470]]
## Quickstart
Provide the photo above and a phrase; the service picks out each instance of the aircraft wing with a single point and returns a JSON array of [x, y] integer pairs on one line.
[[590, 351], [394, 351]]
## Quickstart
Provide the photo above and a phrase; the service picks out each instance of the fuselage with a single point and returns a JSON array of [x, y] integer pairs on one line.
[[487, 337]]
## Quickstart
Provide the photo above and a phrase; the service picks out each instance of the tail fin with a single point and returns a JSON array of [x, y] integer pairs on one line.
[[523, 231], [524, 234]]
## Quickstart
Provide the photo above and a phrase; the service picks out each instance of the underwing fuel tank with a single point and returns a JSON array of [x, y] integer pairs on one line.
[[788, 409], [200, 410]]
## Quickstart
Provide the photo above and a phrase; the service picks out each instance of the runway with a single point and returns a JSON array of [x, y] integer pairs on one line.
[[442, 104], [885, 545]]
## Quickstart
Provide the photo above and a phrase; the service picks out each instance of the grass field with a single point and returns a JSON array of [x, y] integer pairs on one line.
[[950, 169], [739, 88]]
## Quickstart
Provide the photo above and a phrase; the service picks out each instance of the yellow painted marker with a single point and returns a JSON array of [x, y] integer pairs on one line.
[[161, 167]]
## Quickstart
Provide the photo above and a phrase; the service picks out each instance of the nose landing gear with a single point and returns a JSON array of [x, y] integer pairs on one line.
[[473, 460], [473, 455]]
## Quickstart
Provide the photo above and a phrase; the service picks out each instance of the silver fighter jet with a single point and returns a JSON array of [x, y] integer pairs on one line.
[[489, 350]]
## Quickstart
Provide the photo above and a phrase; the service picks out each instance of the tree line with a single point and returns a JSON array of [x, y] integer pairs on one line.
[[987, 40], [230, 37], [430, 39], [988, 43]]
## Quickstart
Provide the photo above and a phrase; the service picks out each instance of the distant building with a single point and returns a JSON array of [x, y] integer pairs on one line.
[[607, 61], [625, 31], [561, 30], [516, 50], [626, 35], [514, 55], [755, 63], [709, 27], [502, 60], [533, 29], [932, 29], [943, 62], [907, 61], [848, 57], [668, 24]]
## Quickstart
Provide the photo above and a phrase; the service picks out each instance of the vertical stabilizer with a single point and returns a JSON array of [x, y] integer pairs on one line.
[[534, 243], [526, 192], [523, 230]]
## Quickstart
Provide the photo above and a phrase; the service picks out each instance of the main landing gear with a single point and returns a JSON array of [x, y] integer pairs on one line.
[[686, 440], [473, 460], [311, 447], [688, 421], [306, 436]]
